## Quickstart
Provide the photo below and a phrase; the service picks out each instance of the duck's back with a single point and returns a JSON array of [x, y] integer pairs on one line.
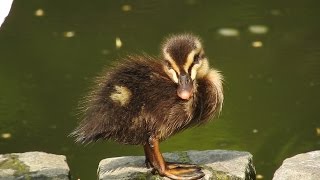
[[136, 100], [120, 105]]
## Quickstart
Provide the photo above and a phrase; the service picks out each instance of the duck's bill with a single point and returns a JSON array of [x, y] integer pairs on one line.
[[185, 87]]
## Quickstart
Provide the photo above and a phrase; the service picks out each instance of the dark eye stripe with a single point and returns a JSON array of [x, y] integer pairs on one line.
[[167, 63], [169, 66], [190, 68], [196, 58]]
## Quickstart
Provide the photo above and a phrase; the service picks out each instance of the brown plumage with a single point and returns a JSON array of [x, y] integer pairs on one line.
[[144, 100]]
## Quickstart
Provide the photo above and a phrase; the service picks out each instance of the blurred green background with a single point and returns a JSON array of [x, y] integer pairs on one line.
[[268, 51]]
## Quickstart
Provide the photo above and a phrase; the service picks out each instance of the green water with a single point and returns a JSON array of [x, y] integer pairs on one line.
[[271, 92]]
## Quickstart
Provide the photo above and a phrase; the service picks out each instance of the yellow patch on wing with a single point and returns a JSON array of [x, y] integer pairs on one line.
[[122, 95]]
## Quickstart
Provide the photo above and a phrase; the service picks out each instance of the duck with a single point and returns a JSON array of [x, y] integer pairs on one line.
[[143, 100]]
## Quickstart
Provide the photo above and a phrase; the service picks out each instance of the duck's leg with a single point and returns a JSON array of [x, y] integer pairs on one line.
[[173, 171], [147, 155]]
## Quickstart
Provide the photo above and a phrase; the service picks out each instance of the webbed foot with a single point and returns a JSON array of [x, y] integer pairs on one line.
[[172, 165], [182, 171], [171, 170]]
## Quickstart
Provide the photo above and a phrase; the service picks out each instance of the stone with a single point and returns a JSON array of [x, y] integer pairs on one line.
[[216, 164], [302, 166], [33, 165]]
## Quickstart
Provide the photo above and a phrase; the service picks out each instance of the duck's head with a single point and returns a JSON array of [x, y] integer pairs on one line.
[[184, 62]]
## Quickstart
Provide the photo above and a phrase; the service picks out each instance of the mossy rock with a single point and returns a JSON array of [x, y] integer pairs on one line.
[[33, 165], [12, 162], [217, 165]]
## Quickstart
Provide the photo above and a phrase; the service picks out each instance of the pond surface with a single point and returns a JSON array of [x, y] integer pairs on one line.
[[268, 51]]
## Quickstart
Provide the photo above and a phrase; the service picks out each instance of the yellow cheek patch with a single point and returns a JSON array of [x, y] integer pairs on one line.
[[173, 75], [216, 79], [175, 71], [194, 70], [122, 95], [203, 69], [172, 62]]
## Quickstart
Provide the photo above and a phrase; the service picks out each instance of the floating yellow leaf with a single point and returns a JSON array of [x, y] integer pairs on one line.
[[318, 131], [39, 12], [257, 44], [118, 43], [258, 29], [259, 176], [6, 135], [228, 32], [126, 8], [69, 34]]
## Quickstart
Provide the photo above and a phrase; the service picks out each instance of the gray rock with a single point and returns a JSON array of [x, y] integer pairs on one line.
[[217, 164], [302, 166], [33, 165]]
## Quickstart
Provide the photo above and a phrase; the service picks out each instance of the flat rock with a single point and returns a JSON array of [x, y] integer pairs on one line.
[[302, 166], [216, 164], [33, 165]]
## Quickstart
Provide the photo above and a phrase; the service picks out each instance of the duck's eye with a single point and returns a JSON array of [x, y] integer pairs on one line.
[[167, 63], [196, 58]]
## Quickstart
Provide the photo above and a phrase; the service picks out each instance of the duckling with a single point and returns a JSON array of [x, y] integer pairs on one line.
[[143, 100]]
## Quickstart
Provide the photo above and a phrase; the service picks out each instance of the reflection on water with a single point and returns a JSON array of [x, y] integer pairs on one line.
[[268, 51]]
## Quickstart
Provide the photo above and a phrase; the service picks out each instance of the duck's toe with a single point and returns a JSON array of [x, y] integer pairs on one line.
[[181, 171]]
